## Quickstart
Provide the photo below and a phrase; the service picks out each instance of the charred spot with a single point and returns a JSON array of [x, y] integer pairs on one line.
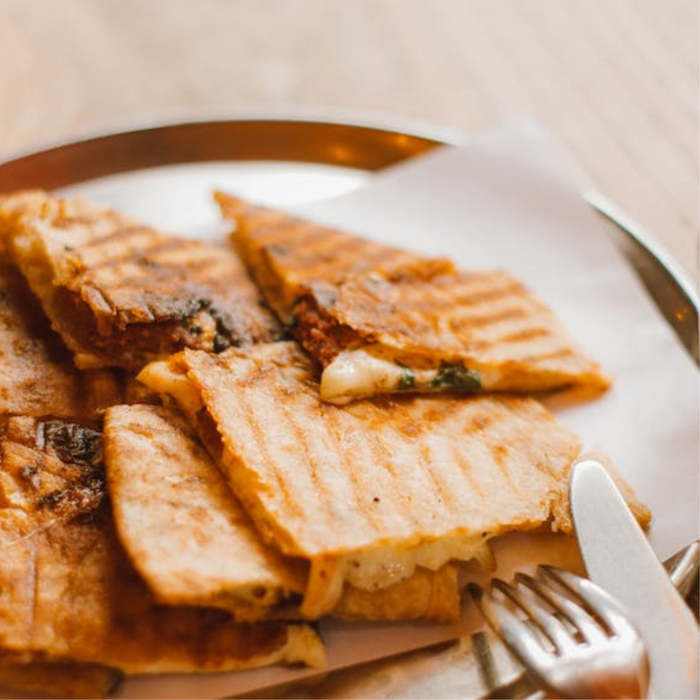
[[147, 262], [376, 499], [52, 498], [221, 343], [196, 330], [73, 443]]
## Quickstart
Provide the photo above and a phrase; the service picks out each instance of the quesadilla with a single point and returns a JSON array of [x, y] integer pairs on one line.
[[369, 492], [193, 543], [380, 320], [285, 255], [457, 333], [68, 593], [121, 293], [37, 376]]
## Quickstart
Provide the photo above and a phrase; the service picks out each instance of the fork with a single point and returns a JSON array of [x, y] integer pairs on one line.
[[585, 648]]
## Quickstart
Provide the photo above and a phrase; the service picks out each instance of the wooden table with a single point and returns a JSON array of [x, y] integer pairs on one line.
[[615, 80]]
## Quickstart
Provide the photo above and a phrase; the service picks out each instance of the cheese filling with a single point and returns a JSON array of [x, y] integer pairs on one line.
[[357, 373], [382, 567]]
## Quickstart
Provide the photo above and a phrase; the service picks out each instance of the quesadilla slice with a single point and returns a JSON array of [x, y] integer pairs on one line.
[[193, 543], [458, 333], [369, 492], [121, 293], [37, 375], [285, 255], [381, 320], [180, 523], [68, 593]]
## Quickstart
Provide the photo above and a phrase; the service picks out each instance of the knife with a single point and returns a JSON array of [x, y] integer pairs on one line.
[[618, 557]]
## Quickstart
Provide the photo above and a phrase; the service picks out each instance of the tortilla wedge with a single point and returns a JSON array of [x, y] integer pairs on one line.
[[193, 543], [67, 592], [121, 293], [285, 255], [371, 491], [381, 320]]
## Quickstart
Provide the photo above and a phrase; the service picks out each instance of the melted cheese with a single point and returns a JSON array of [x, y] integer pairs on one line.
[[359, 373], [163, 379], [381, 567]]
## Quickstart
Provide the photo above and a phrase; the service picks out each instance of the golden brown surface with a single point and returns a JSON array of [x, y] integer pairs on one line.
[[485, 321], [285, 254], [189, 538], [121, 293], [181, 525], [426, 595], [68, 591], [322, 481], [58, 679], [37, 376]]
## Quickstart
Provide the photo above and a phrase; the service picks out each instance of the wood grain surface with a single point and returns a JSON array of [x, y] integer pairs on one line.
[[616, 81]]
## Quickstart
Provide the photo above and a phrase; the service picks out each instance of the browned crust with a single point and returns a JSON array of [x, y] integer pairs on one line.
[[486, 321], [121, 293], [68, 591], [285, 254]]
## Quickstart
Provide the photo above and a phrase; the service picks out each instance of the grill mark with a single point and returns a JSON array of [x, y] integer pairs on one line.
[[493, 318], [119, 234], [524, 334], [498, 453], [140, 254], [554, 355], [318, 261], [332, 416], [283, 233], [395, 478], [465, 469], [431, 296], [322, 491], [443, 496], [245, 413]]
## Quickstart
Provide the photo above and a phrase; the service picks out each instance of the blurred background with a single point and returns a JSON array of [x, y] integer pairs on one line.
[[616, 81]]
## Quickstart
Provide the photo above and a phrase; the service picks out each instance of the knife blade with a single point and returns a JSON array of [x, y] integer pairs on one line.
[[618, 557]]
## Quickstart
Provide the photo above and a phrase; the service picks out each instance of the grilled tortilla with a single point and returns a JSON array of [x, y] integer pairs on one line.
[[192, 542], [121, 293], [464, 332], [37, 376], [285, 255], [67, 591], [381, 320], [370, 491]]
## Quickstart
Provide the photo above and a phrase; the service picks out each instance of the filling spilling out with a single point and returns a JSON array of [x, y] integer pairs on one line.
[[354, 367]]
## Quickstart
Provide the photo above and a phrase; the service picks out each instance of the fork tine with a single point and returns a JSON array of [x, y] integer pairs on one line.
[[514, 633], [590, 630], [601, 603], [552, 627]]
